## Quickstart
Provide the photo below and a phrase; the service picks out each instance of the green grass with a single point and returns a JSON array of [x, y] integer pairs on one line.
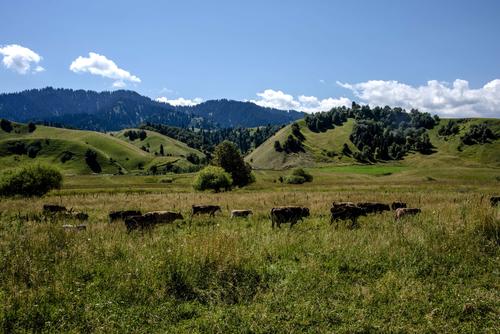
[[365, 169], [436, 272]]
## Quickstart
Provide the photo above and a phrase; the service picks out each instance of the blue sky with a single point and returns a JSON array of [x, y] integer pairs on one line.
[[438, 56]]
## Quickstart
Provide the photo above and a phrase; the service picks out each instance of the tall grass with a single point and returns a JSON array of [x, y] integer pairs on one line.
[[436, 272]]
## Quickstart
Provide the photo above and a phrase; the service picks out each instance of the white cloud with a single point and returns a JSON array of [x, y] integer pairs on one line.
[[277, 99], [180, 101], [20, 59], [455, 100], [97, 64]]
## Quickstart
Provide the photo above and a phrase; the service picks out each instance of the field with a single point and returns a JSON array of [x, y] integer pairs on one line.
[[436, 272]]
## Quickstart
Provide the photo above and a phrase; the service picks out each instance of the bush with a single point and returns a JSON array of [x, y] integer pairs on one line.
[[31, 180], [302, 173], [227, 156], [294, 179], [214, 178], [6, 125], [31, 127], [91, 160]]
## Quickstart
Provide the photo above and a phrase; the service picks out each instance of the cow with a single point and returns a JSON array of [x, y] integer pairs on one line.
[[397, 205], [82, 216], [162, 217], [401, 212], [373, 207], [122, 214], [80, 227], [53, 208], [346, 211], [241, 213], [150, 219], [287, 214], [494, 200], [205, 209]]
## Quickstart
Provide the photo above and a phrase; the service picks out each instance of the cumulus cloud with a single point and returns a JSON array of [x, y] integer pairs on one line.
[[448, 100], [97, 64], [180, 101], [20, 59], [277, 99]]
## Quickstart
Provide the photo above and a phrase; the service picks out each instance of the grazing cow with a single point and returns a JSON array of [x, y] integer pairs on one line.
[[346, 211], [205, 209], [398, 205], [52, 208], [288, 214], [80, 227], [494, 200], [122, 214], [162, 217], [241, 213], [150, 219], [401, 212], [373, 207], [82, 216]]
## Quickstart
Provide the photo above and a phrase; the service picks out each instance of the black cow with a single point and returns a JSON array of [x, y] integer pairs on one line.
[[494, 200], [346, 211], [398, 205], [205, 209], [53, 208], [373, 207], [150, 219], [122, 214], [288, 214]]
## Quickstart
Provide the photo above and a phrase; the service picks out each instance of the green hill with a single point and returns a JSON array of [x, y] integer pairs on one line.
[[325, 148], [66, 149]]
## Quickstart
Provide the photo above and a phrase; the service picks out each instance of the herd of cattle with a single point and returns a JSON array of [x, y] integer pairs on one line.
[[340, 211]]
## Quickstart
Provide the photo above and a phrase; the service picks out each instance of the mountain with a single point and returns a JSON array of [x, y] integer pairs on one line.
[[67, 149], [111, 111]]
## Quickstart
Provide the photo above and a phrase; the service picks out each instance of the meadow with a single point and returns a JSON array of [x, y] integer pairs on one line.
[[436, 272]]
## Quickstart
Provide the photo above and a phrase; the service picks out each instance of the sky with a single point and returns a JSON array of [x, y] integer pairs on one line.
[[439, 56]]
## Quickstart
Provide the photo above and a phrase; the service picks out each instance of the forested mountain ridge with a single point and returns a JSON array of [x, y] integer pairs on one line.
[[107, 111]]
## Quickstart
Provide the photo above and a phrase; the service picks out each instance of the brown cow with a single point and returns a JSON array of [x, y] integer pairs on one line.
[[401, 212], [122, 214], [373, 207], [241, 213], [346, 211], [205, 209], [494, 200], [397, 205], [288, 214]]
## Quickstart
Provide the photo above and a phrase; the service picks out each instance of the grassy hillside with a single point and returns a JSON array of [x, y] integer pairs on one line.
[[320, 146], [66, 149], [153, 141]]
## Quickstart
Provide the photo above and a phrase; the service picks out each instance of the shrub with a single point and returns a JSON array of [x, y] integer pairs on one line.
[[302, 173], [193, 158], [31, 127], [294, 179], [214, 178], [31, 180]]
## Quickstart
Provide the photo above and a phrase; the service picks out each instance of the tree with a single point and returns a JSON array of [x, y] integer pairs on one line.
[[227, 156], [91, 160], [277, 146], [212, 178], [6, 125], [31, 127], [31, 180], [142, 135], [162, 152]]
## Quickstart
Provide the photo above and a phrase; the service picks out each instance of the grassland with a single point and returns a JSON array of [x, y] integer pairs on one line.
[[436, 272], [447, 150], [114, 153]]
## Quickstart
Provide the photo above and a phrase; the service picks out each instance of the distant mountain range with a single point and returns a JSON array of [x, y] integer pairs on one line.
[[110, 111]]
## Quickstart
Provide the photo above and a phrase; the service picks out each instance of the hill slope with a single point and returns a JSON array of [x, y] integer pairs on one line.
[[66, 149], [111, 111], [322, 148]]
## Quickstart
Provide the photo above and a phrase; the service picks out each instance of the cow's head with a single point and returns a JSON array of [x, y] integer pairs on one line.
[[305, 212]]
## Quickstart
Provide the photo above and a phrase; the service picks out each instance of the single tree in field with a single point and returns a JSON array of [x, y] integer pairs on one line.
[[227, 156], [162, 152]]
